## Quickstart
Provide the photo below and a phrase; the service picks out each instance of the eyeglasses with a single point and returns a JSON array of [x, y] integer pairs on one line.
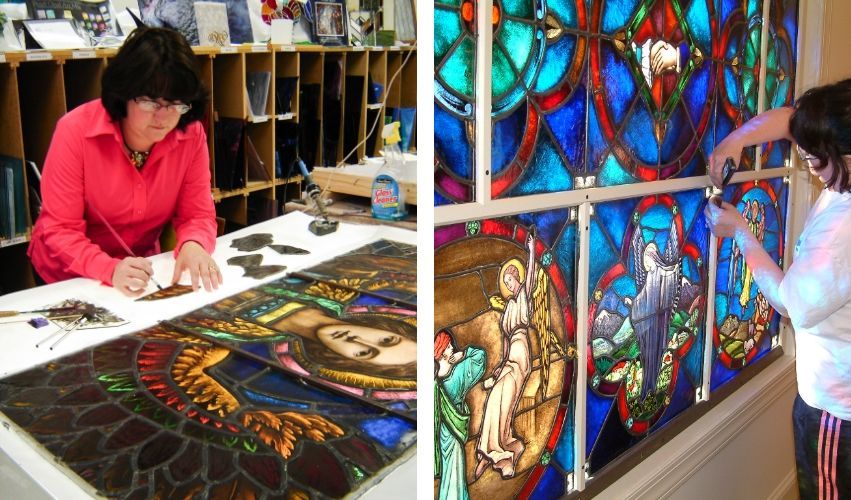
[[153, 106], [809, 159]]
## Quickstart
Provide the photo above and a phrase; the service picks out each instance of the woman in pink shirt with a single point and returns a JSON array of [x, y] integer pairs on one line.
[[135, 159]]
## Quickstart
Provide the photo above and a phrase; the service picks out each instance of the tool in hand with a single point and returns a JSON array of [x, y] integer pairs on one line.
[[729, 169], [120, 241], [56, 310]]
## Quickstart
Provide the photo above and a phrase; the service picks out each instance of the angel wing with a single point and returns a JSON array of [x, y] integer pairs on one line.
[[672, 248], [497, 302], [547, 339], [189, 372], [638, 247], [281, 431]]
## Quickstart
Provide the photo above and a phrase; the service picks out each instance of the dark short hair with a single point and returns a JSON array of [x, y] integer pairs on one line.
[[157, 63], [321, 355], [821, 125]]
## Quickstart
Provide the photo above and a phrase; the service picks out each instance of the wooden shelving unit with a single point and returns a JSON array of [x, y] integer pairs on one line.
[[38, 87]]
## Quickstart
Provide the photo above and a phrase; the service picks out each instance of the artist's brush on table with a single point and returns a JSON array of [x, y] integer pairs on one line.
[[121, 241]]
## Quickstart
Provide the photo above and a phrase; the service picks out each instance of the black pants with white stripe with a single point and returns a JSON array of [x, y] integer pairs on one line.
[[822, 453]]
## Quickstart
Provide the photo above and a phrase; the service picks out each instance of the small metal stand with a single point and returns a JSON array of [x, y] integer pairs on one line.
[[321, 225]]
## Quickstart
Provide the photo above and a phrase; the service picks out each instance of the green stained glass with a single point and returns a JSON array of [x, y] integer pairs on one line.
[[518, 8], [516, 38], [448, 24], [502, 75], [457, 72], [451, 3]]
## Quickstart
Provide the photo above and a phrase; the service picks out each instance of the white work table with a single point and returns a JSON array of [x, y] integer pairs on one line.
[[27, 470]]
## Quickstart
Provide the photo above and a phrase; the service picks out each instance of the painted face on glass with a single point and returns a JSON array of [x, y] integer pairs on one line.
[[510, 282], [370, 345]]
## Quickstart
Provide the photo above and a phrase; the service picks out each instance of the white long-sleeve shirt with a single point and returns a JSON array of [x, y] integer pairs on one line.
[[816, 291]]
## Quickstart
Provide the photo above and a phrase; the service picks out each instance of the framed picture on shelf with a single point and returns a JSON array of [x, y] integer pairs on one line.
[[330, 23]]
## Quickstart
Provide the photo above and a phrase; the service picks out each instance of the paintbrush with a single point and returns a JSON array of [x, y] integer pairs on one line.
[[6, 314], [121, 241]]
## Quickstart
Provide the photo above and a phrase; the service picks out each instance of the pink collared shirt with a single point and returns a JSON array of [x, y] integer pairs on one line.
[[86, 171]]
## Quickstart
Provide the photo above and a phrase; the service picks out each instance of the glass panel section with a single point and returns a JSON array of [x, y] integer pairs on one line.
[[454, 100], [746, 326], [504, 355], [780, 71], [647, 289]]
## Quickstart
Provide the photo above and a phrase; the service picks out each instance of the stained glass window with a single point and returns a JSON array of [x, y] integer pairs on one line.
[[509, 396], [454, 98], [746, 327], [611, 95], [648, 285], [780, 71]]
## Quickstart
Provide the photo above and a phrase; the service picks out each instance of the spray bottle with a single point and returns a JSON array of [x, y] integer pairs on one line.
[[388, 197]]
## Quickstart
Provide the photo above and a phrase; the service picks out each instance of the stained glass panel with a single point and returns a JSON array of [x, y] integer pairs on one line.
[[648, 291], [292, 323], [780, 71], [384, 268], [454, 99], [163, 415], [503, 408], [746, 326]]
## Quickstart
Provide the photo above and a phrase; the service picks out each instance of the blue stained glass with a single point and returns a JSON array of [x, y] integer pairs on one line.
[[639, 136], [451, 3], [565, 11], [617, 14], [389, 431], [596, 411], [546, 172], [507, 134], [563, 453], [753, 8], [275, 382], [368, 300], [596, 142], [549, 223], [727, 7], [556, 63], [568, 126], [678, 134], [516, 38], [449, 23], [697, 18], [603, 253], [720, 373], [551, 485], [518, 8], [257, 348], [241, 367], [690, 204], [616, 216], [692, 363], [613, 174], [440, 200], [264, 399], [682, 398], [451, 143], [618, 82], [566, 253], [697, 93]]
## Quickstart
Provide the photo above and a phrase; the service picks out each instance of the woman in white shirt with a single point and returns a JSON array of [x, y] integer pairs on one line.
[[815, 292]]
